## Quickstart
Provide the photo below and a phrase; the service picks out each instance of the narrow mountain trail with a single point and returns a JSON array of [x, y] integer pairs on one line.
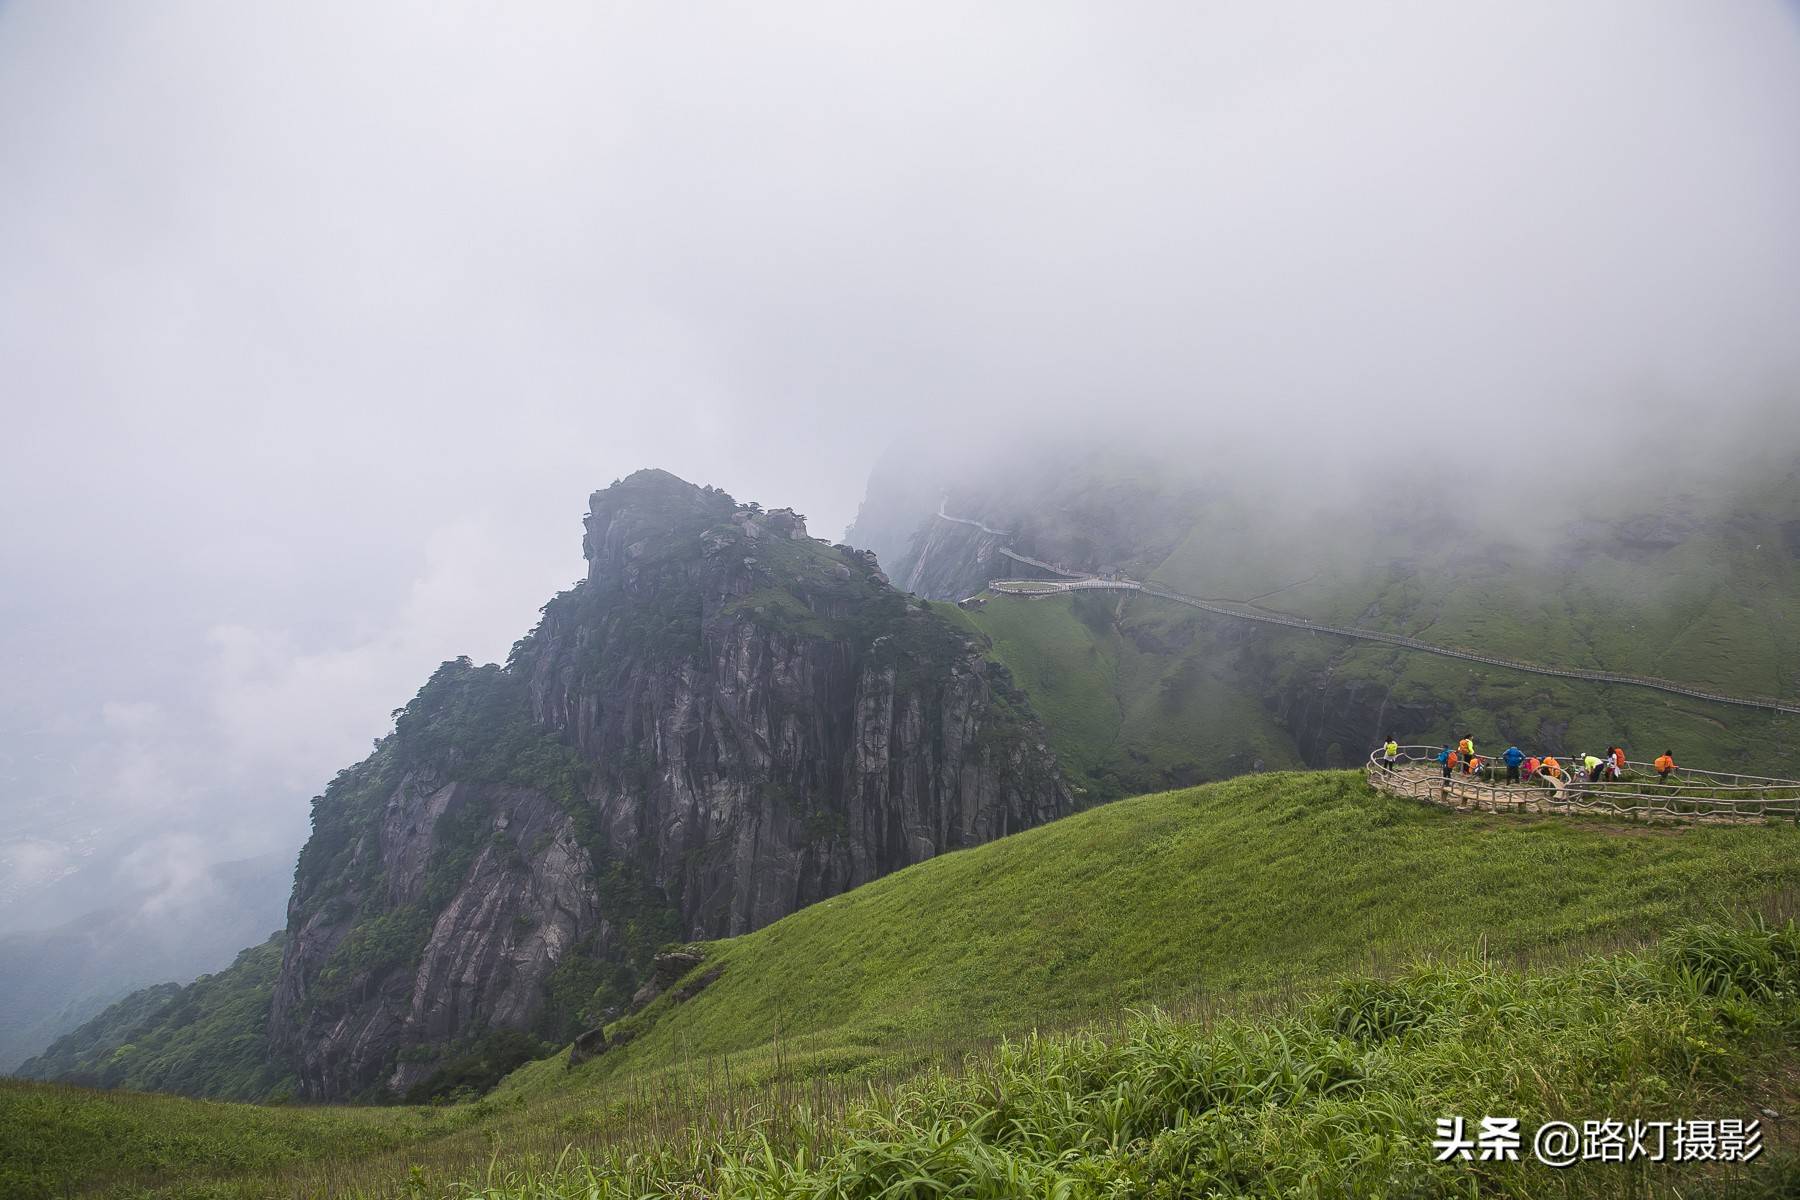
[[989, 529]]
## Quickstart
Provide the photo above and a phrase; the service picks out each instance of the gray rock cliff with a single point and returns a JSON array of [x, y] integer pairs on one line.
[[726, 720]]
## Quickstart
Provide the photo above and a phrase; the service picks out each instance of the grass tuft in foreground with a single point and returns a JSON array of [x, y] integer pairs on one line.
[[1339, 1098]]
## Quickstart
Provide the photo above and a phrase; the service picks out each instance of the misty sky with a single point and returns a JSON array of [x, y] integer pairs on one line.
[[318, 322]]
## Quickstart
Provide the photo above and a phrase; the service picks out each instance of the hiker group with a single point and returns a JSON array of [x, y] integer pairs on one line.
[[1522, 767]]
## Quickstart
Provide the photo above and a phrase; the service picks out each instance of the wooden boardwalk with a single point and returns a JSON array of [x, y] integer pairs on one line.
[[1692, 797]]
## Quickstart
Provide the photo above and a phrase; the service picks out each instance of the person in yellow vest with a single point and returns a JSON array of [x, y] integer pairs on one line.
[[1390, 753], [1593, 766]]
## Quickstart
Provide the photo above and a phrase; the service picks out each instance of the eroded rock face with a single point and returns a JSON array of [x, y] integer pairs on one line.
[[949, 561], [790, 750], [526, 894], [736, 717]]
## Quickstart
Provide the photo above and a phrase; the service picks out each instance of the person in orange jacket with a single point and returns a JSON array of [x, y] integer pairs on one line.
[[1665, 765]]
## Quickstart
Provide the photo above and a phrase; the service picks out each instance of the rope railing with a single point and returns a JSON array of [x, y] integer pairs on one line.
[[1033, 588], [1415, 776]]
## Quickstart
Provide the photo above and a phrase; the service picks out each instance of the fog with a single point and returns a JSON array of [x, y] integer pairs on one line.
[[319, 322]]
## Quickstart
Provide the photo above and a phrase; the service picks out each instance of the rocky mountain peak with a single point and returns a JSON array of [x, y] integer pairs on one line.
[[646, 510], [726, 721]]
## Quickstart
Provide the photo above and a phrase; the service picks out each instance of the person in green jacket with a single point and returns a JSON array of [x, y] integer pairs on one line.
[[1390, 753]]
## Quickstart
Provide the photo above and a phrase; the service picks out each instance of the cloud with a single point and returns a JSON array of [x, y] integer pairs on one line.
[[298, 714], [31, 863], [171, 870], [320, 321], [276, 716]]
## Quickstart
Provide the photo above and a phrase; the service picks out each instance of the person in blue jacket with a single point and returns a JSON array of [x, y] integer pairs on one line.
[[1513, 756], [1443, 756]]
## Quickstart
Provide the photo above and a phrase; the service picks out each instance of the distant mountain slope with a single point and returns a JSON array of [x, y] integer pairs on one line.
[[1102, 510], [1701, 585], [904, 488], [209, 1038], [53, 980]]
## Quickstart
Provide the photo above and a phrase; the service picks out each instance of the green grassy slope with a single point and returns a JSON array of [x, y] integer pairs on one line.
[[1131, 703], [1339, 1097], [1249, 886], [1236, 896], [61, 1140], [1707, 594]]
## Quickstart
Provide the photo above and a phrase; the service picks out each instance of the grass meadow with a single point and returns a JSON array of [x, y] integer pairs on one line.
[[1176, 957]]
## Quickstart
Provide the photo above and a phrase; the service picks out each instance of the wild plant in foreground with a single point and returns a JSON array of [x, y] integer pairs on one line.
[[1338, 1099]]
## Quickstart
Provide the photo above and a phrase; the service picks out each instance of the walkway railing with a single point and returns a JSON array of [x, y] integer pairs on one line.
[[1694, 796]]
